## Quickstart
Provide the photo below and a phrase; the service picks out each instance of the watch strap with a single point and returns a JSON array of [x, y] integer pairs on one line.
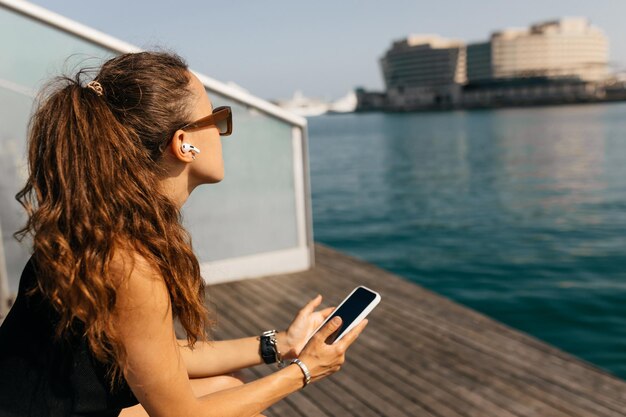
[[268, 347]]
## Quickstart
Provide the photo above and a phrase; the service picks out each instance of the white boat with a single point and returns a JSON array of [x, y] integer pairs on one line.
[[346, 104], [303, 106]]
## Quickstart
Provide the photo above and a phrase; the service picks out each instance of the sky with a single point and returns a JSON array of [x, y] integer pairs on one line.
[[325, 48]]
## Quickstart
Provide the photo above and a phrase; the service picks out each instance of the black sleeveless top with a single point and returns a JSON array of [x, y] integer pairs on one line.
[[43, 376]]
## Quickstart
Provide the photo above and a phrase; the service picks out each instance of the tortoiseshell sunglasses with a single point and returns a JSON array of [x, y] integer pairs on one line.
[[222, 118]]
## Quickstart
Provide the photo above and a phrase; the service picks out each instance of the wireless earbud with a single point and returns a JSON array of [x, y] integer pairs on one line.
[[188, 147]]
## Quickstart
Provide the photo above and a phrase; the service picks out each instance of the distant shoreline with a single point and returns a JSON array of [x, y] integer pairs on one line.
[[492, 106]]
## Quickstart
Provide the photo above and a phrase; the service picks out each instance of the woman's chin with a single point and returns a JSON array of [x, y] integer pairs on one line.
[[214, 179]]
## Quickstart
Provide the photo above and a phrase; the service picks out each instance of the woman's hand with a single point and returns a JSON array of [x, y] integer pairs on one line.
[[305, 322], [323, 359]]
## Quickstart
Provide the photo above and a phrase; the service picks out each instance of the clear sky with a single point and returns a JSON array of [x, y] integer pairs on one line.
[[324, 47]]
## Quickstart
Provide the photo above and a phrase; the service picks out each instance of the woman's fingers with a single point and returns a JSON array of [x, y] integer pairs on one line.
[[311, 305], [326, 312], [323, 359], [329, 328], [351, 336]]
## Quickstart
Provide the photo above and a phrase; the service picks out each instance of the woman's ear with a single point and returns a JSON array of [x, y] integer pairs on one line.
[[176, 145]]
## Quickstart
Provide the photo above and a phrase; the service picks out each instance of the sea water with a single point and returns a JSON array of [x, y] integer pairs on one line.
[[517, 213]]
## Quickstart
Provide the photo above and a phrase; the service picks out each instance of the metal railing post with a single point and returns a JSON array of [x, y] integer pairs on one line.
[[4, 281]]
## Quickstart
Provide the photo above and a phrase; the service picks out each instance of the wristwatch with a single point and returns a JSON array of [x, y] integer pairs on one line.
[[269, 348]]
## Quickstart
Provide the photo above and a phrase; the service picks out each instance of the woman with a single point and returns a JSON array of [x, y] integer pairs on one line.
[[91, 333]]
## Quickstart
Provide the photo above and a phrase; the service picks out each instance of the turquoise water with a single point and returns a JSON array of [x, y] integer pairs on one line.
[[517, 213]]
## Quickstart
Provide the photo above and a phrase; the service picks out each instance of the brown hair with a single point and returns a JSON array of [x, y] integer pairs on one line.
[[93, 189]]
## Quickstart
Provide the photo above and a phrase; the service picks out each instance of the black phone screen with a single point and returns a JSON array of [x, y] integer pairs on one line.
[[350, 310]]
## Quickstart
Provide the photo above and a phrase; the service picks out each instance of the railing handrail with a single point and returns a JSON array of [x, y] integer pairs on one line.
[[116, 45]]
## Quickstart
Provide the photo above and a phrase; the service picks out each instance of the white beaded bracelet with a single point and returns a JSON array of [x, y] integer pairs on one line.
[[305, 371]]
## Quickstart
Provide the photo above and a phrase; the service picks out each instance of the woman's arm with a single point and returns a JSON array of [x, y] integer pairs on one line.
[[157, 374], [220, 357]]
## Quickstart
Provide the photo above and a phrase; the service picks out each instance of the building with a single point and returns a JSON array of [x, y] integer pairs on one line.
[[566, 48], [370, 100], [424, 71], [554, 62], [558, 61], [256, 222]]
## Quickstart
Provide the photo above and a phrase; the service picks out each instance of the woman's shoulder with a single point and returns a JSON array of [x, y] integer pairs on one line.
[[139, 282]]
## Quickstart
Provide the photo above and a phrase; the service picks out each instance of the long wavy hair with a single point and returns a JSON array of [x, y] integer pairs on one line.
[[93, 189]]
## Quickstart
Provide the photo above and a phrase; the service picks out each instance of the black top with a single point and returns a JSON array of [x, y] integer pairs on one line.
[[43, 376]]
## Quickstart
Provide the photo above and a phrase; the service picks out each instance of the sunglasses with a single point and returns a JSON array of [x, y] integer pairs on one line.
[[222, 118]]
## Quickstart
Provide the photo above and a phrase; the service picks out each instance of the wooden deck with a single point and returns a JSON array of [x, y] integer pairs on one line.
[[421, 355]]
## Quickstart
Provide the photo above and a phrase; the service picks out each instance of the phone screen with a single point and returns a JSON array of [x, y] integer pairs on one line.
[[350, 310]]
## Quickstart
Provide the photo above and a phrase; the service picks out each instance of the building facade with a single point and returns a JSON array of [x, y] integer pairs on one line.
[[566, 48], [561, 61], [424, 71]]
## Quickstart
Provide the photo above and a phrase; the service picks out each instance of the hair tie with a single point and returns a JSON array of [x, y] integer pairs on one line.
[[96, 87]]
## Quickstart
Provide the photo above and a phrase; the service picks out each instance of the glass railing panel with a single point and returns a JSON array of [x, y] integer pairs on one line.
[[253, 209]]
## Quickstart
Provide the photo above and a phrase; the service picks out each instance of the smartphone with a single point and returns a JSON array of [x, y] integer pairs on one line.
[[352, 310]]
